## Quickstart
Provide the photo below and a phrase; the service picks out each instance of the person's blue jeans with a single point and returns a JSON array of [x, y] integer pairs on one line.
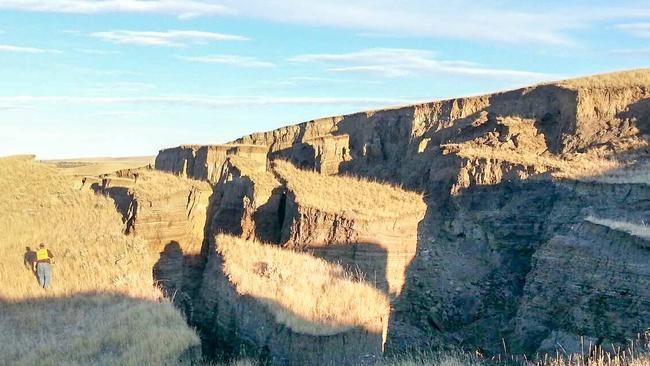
[[44, 273]]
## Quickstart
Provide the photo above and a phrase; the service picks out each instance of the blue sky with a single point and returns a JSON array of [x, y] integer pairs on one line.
[[129, 77]]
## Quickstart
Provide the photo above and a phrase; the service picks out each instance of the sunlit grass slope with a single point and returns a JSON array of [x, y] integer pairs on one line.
[[102, 308], [307, 294], [356, 197]]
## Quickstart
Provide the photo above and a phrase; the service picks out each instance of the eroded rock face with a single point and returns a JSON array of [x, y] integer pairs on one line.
[[380, 249], [204, 162], [592, 280], [170, 215], [503, 253]]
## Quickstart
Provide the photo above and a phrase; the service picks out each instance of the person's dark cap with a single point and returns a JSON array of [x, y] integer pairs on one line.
[[42, 245]]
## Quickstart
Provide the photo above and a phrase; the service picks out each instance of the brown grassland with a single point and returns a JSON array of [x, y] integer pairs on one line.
[[98, 166], [356, 197], [621, 79], [154, 184], [327, 301], [582, 167], [102, 307]]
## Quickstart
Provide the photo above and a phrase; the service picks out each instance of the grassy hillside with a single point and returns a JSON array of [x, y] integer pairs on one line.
[[325, 302], [102, 307], [356, 197]]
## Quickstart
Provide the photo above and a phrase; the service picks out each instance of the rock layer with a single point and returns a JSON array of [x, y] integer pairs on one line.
[[509, 179]]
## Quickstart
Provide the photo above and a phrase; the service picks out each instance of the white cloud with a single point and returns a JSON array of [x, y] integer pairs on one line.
[[172, 38], [18, 49], [180, 8], [92, 51], [322, 80], [399, 62], [95, 71], [507, 21], [636, 29], [198, 100], [120, 87], [122, 114], [500, 21], [234, 60]]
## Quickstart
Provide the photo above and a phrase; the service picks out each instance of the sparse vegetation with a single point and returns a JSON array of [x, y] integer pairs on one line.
[[438, 358], [642, 230], [635, 354], [307, 294], [354, 196], [152, 184], [102, 308], [575, 166], [622, 79]]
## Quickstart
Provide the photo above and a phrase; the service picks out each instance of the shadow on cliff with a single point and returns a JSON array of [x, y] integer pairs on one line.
[[383, 147], [236, 325], [366, 262], [300, 154], [270, 216], [495, 231], [177, 275]]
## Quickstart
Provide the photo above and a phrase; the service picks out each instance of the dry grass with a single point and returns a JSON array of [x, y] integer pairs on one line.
[[587, 167], [574, 166], [152, 184], [102, 301], [99, 166], [641, 230], [307, 294], [635, 354], [355, 197], [621, 79]]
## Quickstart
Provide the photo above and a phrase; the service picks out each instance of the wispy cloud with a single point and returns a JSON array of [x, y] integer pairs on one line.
[[199, 100], [234, 60], [19, 49], [506, 21], [120, 87], [316, 81], [122, 114], [636, 29], [399, 62], [93, 51], [323, 80], [501, 21], [172, 38], [180, 8]]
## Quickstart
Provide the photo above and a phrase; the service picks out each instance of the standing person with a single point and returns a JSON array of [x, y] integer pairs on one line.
[[43, 266]]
